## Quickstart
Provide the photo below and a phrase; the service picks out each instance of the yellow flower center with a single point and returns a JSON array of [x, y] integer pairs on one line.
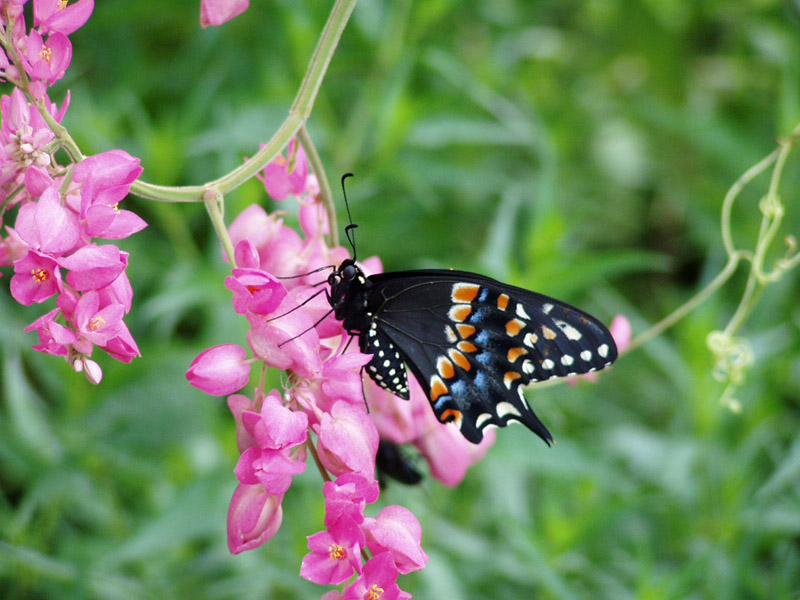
[[40, 275], [96, 323], [62, 4], [46, 54], [374, 593], [336, 552]]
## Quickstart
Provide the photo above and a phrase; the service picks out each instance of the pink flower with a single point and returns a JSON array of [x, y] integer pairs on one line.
[[37, 278], [48, 61], [220, 370], [335, 553], [55, 338], [621, 331], [48, 226], [96, 325], [254, 516], [276, 427], [398, 531], [217, 12], [94, 267], [348, 440], [285, 177], [279, 247], [348, 495], [108, 169], [122, 346], [255, 291], [273, 469], [377, 581], [51, 15], [289, 341]]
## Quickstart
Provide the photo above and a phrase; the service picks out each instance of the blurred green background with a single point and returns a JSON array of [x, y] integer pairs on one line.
[[581, 149]]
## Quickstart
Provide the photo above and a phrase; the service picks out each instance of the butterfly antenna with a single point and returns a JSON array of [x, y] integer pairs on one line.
[[348, 231]]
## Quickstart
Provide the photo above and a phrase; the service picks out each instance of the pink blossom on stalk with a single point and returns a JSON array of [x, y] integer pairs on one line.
[[48, 226], [220, 370], [12, 248], [217, 12], [348, 495], [55, 338], [276, 427], [279, 247], [37, 180], [348, 440], [340, 379], [398, 531], [94, 267], [245, 255], [96, 324], [273, 469], [47, 61], [377, 581], [122, 346], [55, 15], [288, 342], [108, 169], [25, 133], [254, 516], [621, 331], [255, 291], [284, 177], [36, 278], [335, 553], [118, 291]]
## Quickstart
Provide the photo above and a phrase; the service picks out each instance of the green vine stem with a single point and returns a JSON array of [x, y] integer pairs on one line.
[[299, 113], [772, 214]]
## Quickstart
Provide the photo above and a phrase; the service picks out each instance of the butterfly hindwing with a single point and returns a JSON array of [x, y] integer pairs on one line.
[[473, 343]]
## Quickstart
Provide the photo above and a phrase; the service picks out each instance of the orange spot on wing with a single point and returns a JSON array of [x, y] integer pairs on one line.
[[445, 368], [548, 333], [465, 292], [515, 353], [510, 377], [460, 313], [438, 388], [465, 331], [461, 360], [514, 326], [467, 347], [502, 301], [451, 414]]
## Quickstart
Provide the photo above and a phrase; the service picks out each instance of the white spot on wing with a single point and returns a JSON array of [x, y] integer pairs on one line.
[[482, 418], [506, 408], [521, 312], [586, 355], [567, 360], [569, 330], [602, 350], [548, 364]]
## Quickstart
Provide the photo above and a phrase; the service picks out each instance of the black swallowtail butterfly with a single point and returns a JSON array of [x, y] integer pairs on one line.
[[471, 341]]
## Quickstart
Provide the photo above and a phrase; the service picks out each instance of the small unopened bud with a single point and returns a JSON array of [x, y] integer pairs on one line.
[[92, 371]]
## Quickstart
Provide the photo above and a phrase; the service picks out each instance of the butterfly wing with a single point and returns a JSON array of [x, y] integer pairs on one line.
[[473, 342]]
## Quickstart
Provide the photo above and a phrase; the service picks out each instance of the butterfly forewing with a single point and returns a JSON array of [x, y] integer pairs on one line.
[[473, 342]]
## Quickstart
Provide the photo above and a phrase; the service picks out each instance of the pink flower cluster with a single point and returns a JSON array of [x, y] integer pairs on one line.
[[276, 286], [61, 210]]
